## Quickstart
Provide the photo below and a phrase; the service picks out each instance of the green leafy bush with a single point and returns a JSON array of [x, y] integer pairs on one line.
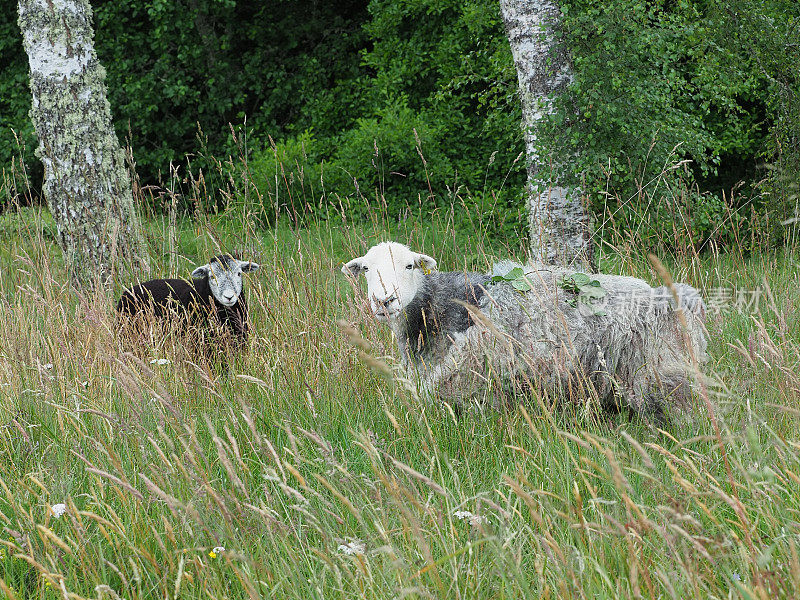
[[440, 122], [659, 83], [17, 138], [174, 66], [285, 179], [445, 68], [389, 152]]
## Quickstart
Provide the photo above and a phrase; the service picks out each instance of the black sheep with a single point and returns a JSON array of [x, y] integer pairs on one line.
[[215, 289]]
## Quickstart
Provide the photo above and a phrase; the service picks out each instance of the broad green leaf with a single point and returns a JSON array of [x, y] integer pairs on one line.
[[580, 279], [593, 292], [515, 273], [521, 285]]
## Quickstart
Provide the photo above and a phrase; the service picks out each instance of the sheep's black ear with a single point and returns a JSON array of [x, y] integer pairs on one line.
[[248, 266], [425, 262], [201, 272], [354, 268]]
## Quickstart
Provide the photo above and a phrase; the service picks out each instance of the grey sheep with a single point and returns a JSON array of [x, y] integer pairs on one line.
[[458, 332], [215, 292]]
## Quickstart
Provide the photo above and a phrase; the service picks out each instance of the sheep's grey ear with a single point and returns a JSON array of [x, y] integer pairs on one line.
[[354, 268], [201, 272], [425, 262], [248, 266]]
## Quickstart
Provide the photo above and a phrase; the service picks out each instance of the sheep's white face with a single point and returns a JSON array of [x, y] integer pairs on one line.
[[394, 275], [225, 277]]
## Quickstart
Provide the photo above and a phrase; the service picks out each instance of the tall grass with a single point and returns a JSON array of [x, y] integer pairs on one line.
[[299, 471]]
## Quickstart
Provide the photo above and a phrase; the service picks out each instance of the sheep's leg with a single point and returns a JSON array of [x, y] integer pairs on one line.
[[454, 376], [438, 378], [652, 394]]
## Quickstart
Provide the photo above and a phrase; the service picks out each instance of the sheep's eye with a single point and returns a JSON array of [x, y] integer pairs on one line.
[[365, 269], [410, 266]]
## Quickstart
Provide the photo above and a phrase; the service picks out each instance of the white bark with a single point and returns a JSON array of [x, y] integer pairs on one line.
[[559, 224], [86, 183]]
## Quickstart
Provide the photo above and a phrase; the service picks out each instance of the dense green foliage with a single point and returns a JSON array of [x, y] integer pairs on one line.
[[415, 102], [16, 129], [440, 118], [174, 66], [645, 98], [662, 82], [762, 37]]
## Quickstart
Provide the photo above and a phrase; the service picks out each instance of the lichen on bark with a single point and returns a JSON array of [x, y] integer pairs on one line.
[[559, 223], [86, 183]]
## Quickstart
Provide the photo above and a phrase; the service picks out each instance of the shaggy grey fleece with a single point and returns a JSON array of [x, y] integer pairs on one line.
[[464, 338]]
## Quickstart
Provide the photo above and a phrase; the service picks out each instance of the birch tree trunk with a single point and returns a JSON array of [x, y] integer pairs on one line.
[[559, 224], [86, 183]]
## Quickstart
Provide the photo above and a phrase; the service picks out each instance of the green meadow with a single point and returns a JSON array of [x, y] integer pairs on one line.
[[305, 468]]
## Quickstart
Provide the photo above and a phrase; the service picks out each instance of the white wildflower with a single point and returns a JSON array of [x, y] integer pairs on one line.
[[473, 519], [47, 366], [354, 547], [219, 549], [59, 509], [159, 361]]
